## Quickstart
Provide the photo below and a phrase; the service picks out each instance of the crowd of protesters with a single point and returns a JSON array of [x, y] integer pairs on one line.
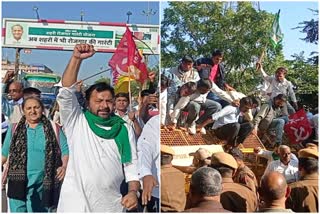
[[196, 98], [90, 153], [93, 153], [221, 182]]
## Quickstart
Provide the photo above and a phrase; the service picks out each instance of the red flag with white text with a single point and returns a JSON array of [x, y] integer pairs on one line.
[[298, 128], [127, 58]]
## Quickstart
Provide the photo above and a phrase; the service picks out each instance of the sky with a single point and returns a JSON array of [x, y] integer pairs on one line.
[[292, 13], [93, 12]]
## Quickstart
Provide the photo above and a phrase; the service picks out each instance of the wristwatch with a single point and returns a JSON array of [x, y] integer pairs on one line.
[[136, 192]]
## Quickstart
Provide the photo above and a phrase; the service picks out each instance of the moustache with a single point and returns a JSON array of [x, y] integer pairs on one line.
[[106, 110]]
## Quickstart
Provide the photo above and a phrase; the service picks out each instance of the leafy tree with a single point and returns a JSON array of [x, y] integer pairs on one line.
[[242, 32], [304, 76], [311, 28], [238, 29]]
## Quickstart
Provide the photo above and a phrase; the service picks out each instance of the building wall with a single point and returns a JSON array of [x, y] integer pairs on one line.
[[7, 65]]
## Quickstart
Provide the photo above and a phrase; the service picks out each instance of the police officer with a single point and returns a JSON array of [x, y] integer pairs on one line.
[[244, 174], [234, 197], [304, 193], [173, 198]]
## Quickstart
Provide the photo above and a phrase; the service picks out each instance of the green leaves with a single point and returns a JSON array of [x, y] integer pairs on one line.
[[242, 32]]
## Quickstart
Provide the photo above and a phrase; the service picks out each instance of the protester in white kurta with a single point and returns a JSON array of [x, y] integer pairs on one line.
[[149, 161], [269, 155], [94, 173], [98, 162], [289, 171], [285, 165]]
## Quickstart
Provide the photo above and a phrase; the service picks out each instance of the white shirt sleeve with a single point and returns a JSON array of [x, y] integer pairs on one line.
[[148, 147], [196, 75], [182, 103], [221, 93], [131, 169], [163, 106], [69, 106], [266, 76], [265, 154], [291, 92], [225, 111]]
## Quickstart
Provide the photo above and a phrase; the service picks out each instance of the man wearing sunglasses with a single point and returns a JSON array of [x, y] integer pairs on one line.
[[12, 108]]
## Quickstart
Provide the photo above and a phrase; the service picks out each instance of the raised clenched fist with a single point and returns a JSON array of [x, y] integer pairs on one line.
[[83, 51]]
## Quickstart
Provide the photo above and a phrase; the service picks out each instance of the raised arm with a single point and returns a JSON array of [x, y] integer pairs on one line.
[[264, 74], [80, 52]]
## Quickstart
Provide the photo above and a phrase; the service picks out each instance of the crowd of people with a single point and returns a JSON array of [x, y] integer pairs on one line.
[[196, 98], [221, 182], [90, 153], [199, 89]]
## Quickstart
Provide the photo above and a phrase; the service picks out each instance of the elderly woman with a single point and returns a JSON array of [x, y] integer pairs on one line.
[[37, 160]]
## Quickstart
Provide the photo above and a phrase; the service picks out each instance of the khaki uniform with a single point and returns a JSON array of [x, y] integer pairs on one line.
[[244, 175], [173, 197], [237, 197], [304, 194], [207, 206]]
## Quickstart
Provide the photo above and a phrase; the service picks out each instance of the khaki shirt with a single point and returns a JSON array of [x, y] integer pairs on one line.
[[304, 194], [237, 197], [173, 197], [244, 175], [207, 206]]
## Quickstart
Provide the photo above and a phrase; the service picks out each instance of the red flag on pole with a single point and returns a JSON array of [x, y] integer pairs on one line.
[[298, 128], [127, 58]]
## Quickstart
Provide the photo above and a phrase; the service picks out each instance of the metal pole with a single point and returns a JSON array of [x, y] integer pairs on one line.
[[16, 64], [81, 15], [35, 8], [128, 14]]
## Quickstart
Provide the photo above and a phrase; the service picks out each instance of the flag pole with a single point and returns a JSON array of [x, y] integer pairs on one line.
[[129, 89], [262, 55]]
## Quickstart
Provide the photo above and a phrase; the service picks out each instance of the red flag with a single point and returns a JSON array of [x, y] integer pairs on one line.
[[298, 128], [128, 57]]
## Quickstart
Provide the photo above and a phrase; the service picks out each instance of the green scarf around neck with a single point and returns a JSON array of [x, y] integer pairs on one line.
[[118, 132]]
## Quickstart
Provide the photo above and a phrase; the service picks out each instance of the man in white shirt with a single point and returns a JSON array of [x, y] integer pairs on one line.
[[121, 109], [271, 155], [178, 76], [149, 163], [280, 85], [226, 125], [285, 165], [198, 101], [102, 147]]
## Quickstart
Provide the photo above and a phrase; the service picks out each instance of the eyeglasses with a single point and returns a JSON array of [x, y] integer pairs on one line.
[[14, 91]]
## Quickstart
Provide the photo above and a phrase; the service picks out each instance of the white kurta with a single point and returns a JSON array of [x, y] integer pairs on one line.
[[148, 152], [94, 172]]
